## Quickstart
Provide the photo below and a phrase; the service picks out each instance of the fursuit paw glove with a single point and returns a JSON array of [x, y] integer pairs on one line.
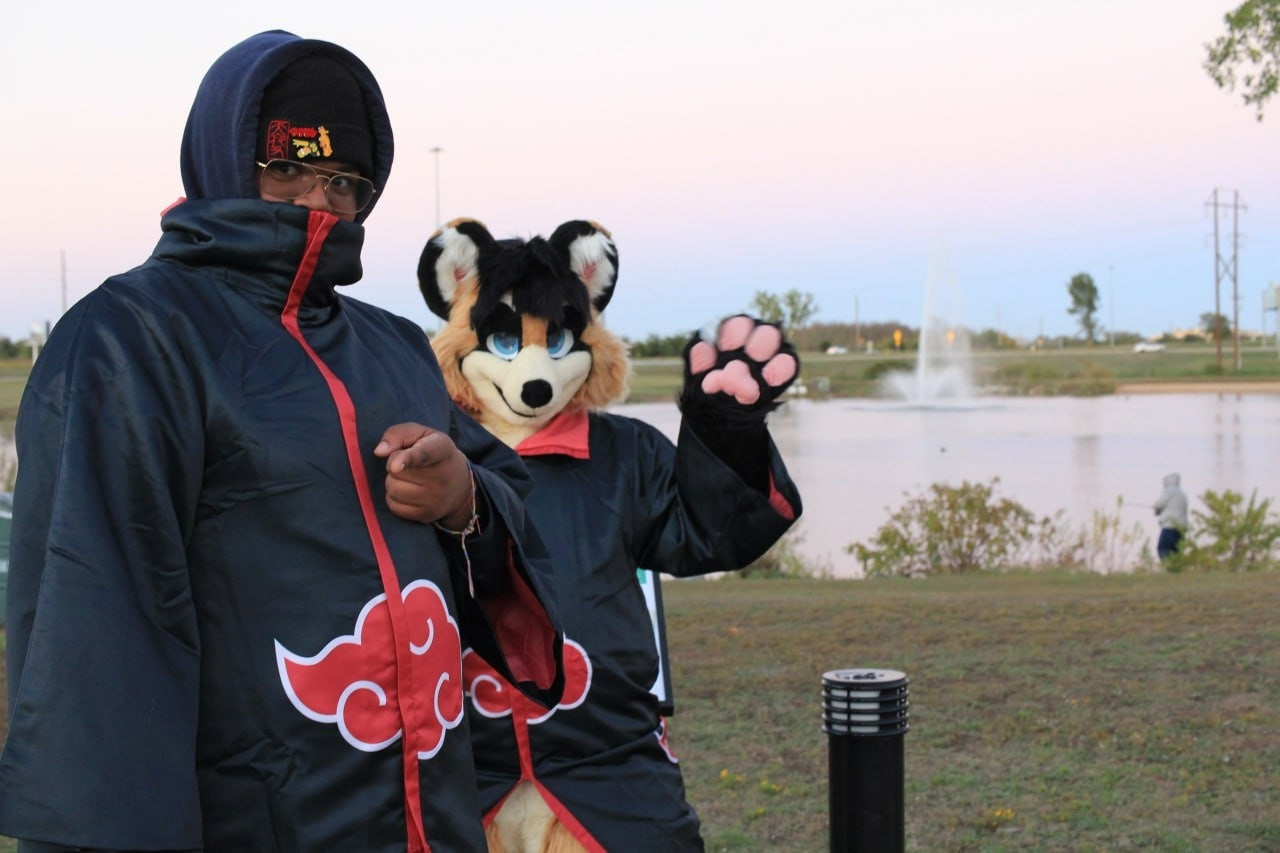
[[730, 386]]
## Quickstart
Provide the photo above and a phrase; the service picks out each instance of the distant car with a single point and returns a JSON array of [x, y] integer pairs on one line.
[[837, 350], [1148, 346]]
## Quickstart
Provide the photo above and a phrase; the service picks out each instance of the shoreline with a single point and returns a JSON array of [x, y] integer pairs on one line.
[[1122, 389], [1212, 386]]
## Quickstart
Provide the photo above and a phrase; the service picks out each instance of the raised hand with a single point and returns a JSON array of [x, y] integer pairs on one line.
[[749, 360]]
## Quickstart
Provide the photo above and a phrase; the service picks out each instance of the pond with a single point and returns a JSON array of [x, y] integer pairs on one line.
[[854, 459]]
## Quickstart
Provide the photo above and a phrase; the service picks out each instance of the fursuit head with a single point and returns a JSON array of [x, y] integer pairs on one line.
[[523, 339]]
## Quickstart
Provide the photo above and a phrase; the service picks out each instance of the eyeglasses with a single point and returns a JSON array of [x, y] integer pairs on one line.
[[285, 179]]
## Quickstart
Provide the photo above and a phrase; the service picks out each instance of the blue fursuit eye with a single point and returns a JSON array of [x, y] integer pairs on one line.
[[504, 345], [559, 342]]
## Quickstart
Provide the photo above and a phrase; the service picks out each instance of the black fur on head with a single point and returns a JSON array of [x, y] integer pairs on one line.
[[539, 272], [537, 275]]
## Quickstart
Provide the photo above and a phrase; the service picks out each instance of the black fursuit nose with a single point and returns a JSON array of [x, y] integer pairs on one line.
[[536, 393]]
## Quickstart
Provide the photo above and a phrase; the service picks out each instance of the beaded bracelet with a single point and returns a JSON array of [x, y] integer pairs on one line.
[[473, 524]]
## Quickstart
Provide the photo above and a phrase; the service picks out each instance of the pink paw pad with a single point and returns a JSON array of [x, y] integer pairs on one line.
[[780, 370], [763, 343], [702, 356], [734, 333], [736, 380]]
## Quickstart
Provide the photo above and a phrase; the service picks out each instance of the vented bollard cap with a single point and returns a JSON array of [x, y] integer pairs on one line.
[[864, 702]]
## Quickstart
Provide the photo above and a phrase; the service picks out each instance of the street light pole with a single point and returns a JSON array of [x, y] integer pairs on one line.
[[436, 151]]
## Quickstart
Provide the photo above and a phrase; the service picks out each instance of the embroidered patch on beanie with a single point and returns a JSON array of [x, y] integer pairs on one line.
[[314, 110]]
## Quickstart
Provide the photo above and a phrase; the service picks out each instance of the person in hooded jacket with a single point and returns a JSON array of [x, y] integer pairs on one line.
[[1171, 514], [227, 629]]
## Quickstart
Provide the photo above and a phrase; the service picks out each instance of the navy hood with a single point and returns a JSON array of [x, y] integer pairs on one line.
[[221, 137]]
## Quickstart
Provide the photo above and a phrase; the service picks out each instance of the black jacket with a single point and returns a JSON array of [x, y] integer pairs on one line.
[[218, 634], [618, 498]]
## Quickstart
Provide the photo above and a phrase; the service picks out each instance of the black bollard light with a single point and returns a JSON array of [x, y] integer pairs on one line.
[[864, 713]]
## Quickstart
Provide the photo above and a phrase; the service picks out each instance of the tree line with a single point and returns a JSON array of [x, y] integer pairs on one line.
[[14, 349], [794, 311]]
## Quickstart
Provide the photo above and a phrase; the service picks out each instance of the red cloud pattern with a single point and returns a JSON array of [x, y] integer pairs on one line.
[[352, 681], [493, 696]]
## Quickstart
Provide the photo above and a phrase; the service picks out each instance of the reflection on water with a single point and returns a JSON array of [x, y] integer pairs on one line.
[[853, 460]]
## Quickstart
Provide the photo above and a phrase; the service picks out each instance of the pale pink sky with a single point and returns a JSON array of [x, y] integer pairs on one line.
[[838, 148]]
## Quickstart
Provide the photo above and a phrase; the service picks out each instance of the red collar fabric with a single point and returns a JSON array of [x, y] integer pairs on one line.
[[565, 434]]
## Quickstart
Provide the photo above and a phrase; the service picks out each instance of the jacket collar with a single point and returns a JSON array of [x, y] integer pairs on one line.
[[565, 434], [259, 246]]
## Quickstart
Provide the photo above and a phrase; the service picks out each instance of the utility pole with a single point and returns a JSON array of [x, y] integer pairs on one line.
[[1217, 281], [1223, 267], [1235, 276]]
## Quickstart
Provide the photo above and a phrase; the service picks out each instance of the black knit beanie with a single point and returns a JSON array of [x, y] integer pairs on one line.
[[314, 110]]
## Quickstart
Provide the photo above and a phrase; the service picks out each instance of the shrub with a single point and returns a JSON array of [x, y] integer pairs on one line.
[[966, 529], [1093, 381], [1108, 544], [878, 369], [1044, 378], [1230, 535], [953, 530], [1029, 378]]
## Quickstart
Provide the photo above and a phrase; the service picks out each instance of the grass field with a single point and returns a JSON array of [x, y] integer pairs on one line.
[[13, 377], [1048, 712]]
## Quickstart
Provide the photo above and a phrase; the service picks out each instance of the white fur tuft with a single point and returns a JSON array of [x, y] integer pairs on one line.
[[457, 261], [589, 258]]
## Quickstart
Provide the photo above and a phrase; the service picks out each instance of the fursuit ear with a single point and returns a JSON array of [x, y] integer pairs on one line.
[[450, 258], [592, 257]]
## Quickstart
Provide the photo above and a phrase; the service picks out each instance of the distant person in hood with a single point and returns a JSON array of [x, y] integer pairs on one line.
[[1171, 513], [227, 630]]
